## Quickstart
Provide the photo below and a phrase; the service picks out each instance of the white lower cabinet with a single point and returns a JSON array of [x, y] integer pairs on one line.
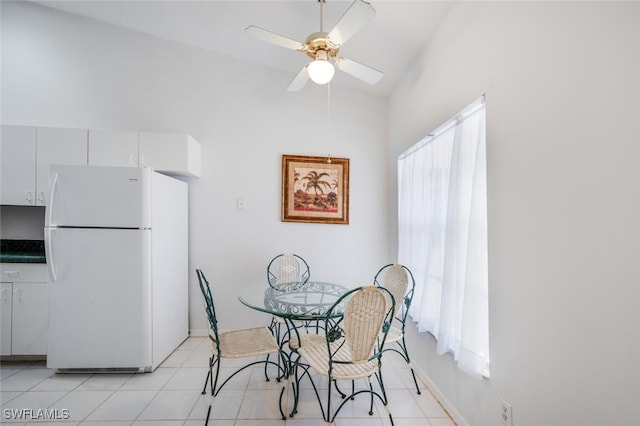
[[30, 319], [24, 310], [6, 302]]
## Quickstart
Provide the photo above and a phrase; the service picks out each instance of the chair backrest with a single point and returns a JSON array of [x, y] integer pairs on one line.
[[398, 279], [364, 325], [287, 272], [209, 307]]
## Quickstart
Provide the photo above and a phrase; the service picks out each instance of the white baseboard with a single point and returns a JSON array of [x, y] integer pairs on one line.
[[199, 332], [442, 400]]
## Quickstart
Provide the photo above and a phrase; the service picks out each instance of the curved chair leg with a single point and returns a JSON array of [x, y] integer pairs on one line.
[[329, 419], [282, 415], [371, 389], [213, 385], [342, 394], [405, 355], [204, 389], [275, 327], [295, 385], [385, 399], [206, 422], [415, 381]]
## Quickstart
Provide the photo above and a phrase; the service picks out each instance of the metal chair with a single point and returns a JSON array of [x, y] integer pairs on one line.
[[399, 280], [351, 348], [287, 272], [240, 343]]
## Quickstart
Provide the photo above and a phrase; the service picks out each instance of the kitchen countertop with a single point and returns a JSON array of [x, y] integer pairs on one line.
[[22, 251]]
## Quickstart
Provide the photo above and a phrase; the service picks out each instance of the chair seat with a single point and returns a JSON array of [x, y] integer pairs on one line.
[[307, 340], [246, 342], [318, 358]]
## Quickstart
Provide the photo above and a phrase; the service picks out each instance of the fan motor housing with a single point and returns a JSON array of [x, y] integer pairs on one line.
[[319, 41]]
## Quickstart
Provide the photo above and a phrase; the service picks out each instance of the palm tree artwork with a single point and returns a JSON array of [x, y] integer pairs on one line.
[[315, 190]]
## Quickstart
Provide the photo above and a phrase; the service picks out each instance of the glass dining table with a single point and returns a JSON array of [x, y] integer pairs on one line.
[[299, 307], [303, 302]]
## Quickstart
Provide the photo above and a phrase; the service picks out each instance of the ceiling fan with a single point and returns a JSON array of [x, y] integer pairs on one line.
[[323, 47]]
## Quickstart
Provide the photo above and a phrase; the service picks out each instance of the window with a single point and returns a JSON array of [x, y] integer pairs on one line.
[[442, 235]]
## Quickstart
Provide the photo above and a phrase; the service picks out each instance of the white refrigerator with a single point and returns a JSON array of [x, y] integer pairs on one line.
[[116, 242]]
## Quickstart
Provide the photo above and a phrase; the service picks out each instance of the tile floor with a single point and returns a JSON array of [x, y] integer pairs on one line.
[[170, 396]]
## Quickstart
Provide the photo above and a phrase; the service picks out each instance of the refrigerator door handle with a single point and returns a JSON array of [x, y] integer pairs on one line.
[[52, 188], [48, 236]]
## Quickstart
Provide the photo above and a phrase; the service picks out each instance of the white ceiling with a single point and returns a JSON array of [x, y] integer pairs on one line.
[[389, 42]]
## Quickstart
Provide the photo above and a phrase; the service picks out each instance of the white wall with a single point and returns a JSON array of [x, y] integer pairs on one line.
[[66, 71], [562, 84]]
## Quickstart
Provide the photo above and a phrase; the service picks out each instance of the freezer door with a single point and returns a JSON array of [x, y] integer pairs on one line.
[[94, 196], [100, 303]]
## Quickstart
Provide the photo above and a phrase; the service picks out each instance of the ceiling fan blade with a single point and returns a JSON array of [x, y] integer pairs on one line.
[[274, 38], [358, 14], [358, 70], [300, 81]]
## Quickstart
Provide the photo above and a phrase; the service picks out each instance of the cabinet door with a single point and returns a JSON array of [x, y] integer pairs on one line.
[[30, 322], [113, 148], [57, 146], [170, 153], [5, 318], [18, 168], [24, 272]]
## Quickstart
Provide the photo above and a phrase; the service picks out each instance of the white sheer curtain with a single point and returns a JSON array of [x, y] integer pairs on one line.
[[442, 220]]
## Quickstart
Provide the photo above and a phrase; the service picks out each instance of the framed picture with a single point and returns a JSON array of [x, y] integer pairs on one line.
[[315, 189]]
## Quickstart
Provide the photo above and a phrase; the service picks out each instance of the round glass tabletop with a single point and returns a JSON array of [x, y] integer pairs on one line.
[[306, 301]]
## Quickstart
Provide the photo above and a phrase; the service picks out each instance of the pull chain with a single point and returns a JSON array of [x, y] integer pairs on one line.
[[328, 123], [321, 15]]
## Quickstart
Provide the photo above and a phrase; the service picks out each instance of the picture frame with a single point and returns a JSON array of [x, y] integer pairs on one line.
[[315, 189]]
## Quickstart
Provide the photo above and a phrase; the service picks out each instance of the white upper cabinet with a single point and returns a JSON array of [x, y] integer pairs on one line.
[[57, 146], [173, 154], [27, 153], [18, 165], [170, 153], [113, 148]]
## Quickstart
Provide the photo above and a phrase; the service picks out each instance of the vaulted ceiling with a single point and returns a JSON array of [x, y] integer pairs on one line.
[[389, 42]]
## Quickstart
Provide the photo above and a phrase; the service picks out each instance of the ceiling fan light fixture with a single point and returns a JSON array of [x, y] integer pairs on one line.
[[321, 71], [323, 47]]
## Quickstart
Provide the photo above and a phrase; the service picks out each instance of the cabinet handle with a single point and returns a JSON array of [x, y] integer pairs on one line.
[[28, 195], [41, 197], [132, 160], [142, 161], [13, 274], [4, 295], [17, 295]]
